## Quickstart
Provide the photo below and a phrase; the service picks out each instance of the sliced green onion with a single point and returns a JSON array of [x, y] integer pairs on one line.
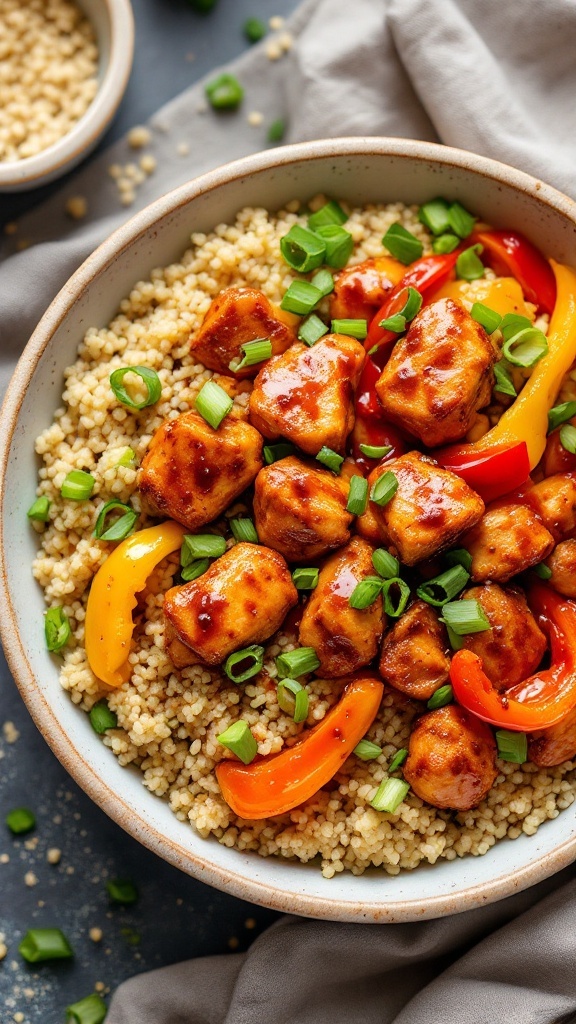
[[90, 1010], [398, 760], [560, 413], [302, 249], [331, 213], [203, 6], [213, 403], [504, 383], [127, 458], [459, 556], [300, 662], [375, 451], [39, 511], [525, 348], [367, 751], [20, 821], [254, 352], [542, 570], [254, 30], [413, 304], [293, 699], [339, 245], [443, 588], [442, 696], [456, 642], [239, 739], [353, 328], [120, 527], [568, 438], [465, 616], [122, 891], [56, 629], [244, 530], [434, 216], [330, 459], [469, 266], [201, 545], [151, 382], [365, 592], [305, 579], [385, 564], [77, 485], [324, 281], [244, 664], [41, 944], [389, 795], [445, 244], [512, 746], [195, 569], [312, 329], [403, 245], [275, 452], [461, 222], [357, 496], [385, 488], [277, 130], [513, 323], [396, 323], [488, 318], [101, 717], [391, 607], [301, 298], [224, 92]]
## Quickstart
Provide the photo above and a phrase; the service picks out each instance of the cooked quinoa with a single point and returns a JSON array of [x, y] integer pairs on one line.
[[169, 720]]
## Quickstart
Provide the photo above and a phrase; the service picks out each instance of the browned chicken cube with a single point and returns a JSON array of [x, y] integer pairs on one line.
[[306, 394], [359, 291], [300, 510], [241, 599], [344, 638], [562, 563], [451, 759], [236, 316], [549, 747], [554, 499], [507, 540], [438, 375], [192, 472], [367, 526], [414, 656], [429, 510], [513, 648]]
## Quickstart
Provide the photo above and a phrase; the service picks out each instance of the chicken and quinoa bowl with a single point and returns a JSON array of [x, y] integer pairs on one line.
[[307, 524]]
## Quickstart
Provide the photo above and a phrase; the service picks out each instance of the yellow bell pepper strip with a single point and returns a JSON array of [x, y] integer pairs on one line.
[[112, 598], [277, 784], [503, 295]]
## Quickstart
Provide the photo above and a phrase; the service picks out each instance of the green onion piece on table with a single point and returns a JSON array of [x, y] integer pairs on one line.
[[119, 528], [276, 130], [305, 579], [384, 489], [40, 944], [568, 438], [90, 1010], [301, 298], [77, 485], [560, 413], [442, 696], [254, 29], [293, 699], [213, 403], [395, 323], [469, 266], [244, 664], [488, 318], [461, 222], [365, 592], [201, 545], [275, 452], [324, 281], [465, 616], [151, 382], [386, 565], [353, 328], [302, 249], [312, 329], [504, 383], [39, 511], [459, 556], [542, 570], [443, 588], [357, 496], [101, 717], [339, 245], [375, 451], [244, 530], [56, 629], [331, 213], [224, 92], [330, 459], [239, 739], [122, 891], [367, 751], [434, 216], [254, 352], [194, 569], [445, 244], [203, 6], [394, 607], [300, 662], [20, 821], [389, 795], [398, 760], [525, 348], [512, 746], [402, 244]]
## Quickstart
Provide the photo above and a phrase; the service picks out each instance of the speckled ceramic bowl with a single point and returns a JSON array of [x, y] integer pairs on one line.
[[361, 170]]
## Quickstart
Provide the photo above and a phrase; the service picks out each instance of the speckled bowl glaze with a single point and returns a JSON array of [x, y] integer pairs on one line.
[[360, 170], [114, 28]]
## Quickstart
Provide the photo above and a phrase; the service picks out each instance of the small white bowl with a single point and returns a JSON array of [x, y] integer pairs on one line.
[[113, 24]]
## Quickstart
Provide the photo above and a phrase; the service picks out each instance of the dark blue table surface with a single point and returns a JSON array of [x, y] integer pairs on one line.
[[176, 917]]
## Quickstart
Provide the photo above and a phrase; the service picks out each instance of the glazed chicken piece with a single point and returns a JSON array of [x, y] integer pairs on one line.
[[344, 638], [549, 747], [430, 509], [359, 291], [554, 499], [236, 316], [556, 459], [562, 563], [513, 648], [507, 540], [451, 759], [300, 510], [306, 395], [191, 472], [438, 375], [414, 656], [241, 599]]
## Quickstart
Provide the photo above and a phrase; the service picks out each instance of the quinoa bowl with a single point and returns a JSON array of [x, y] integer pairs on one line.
[[352, 170]]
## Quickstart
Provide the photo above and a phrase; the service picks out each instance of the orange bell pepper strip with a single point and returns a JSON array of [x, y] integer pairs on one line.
[[279, 783], [543, 699], [112, 598]]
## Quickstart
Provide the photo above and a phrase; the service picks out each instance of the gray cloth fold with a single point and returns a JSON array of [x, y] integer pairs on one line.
[[487, 75]]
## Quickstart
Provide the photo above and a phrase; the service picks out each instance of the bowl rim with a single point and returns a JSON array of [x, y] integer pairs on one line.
[[113, 804], [69, 149]]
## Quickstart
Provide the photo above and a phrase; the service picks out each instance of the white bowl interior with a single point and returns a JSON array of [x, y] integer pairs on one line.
[[360, 171]]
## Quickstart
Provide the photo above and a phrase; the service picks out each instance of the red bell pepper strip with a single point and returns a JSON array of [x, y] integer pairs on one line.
[[370, 427], [509, 252], [543, 699], [492, 472]]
